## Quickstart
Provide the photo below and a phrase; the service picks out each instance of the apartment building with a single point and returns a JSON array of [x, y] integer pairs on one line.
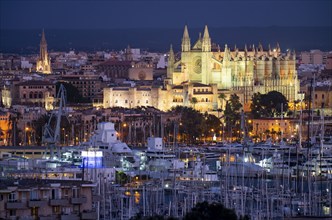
[[46, 199]]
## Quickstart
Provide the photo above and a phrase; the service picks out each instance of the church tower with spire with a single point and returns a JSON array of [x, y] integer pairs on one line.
[[206, 57], [206, 44], [171, 60], [44, 61], [185, 40]]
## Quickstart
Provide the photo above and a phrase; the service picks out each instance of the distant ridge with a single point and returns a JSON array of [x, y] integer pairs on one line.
[[159, 39]]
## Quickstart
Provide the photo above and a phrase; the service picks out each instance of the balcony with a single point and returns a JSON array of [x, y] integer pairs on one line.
[[37, 203], [89, 215], [16, 205], [78, 200], [70, 217], [59, 202]]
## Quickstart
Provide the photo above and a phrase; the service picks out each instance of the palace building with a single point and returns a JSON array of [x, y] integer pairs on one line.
[[43, 64], [205, 71]]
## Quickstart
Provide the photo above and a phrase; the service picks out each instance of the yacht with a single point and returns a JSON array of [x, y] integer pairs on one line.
[[318, 166], [158, 157], [104, 149]]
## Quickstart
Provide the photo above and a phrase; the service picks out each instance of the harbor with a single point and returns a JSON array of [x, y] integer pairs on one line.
[[168, 181]]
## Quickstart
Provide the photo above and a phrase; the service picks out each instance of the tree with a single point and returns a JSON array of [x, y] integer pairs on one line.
[[268, 105], [193, 101], [222, 98], [38, 126], [233, 114], [212, 124], [255, 106], [192, 122], [73, 95], [121, 178], [14, 131], [204, 210], [267, 132]]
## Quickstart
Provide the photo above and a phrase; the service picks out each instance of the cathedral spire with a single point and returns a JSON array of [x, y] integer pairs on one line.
[[185, 33], [43, 39], [171, 54], [170, 64], [206, 44], [44, 62], [270, 51], [288, 53], [206, 33], [226, 54], [260, 46], [236, 51], [278, 47], [294, 55], [185, 40]]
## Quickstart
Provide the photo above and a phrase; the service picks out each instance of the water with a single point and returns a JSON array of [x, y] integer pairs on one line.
[[155, 39]]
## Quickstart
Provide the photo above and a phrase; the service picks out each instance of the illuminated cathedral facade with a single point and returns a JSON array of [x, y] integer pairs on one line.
[[204, 72], [43, 64]]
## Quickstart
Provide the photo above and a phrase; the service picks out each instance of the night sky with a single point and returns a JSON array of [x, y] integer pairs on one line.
[[90, 14]]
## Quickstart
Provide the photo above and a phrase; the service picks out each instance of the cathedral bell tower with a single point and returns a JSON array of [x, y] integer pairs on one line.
[[44, 61]]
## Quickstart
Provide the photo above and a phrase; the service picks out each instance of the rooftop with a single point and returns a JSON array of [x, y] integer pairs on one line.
[[32, 183]]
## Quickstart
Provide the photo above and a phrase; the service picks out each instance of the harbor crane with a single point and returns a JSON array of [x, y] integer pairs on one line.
[[51, 136]]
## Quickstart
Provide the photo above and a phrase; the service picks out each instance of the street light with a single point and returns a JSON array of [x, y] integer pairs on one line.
[[121, 135], [63, 130], [25, 135]]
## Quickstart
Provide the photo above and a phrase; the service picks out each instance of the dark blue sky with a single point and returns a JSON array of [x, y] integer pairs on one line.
[[89, 14]]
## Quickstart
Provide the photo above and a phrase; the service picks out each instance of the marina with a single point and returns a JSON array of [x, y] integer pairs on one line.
[[263, 181]]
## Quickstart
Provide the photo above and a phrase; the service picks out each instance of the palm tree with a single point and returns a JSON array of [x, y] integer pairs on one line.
[[38, 126], [193, 101], [273, 133], [267, 132], [1, 135], [13, 120], [219, 110], [222, 98]]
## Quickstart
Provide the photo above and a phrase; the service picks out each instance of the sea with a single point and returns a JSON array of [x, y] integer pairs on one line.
[[26, 41]]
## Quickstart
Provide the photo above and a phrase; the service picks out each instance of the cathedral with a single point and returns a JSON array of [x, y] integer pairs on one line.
[[44, 61], [204, 72]]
